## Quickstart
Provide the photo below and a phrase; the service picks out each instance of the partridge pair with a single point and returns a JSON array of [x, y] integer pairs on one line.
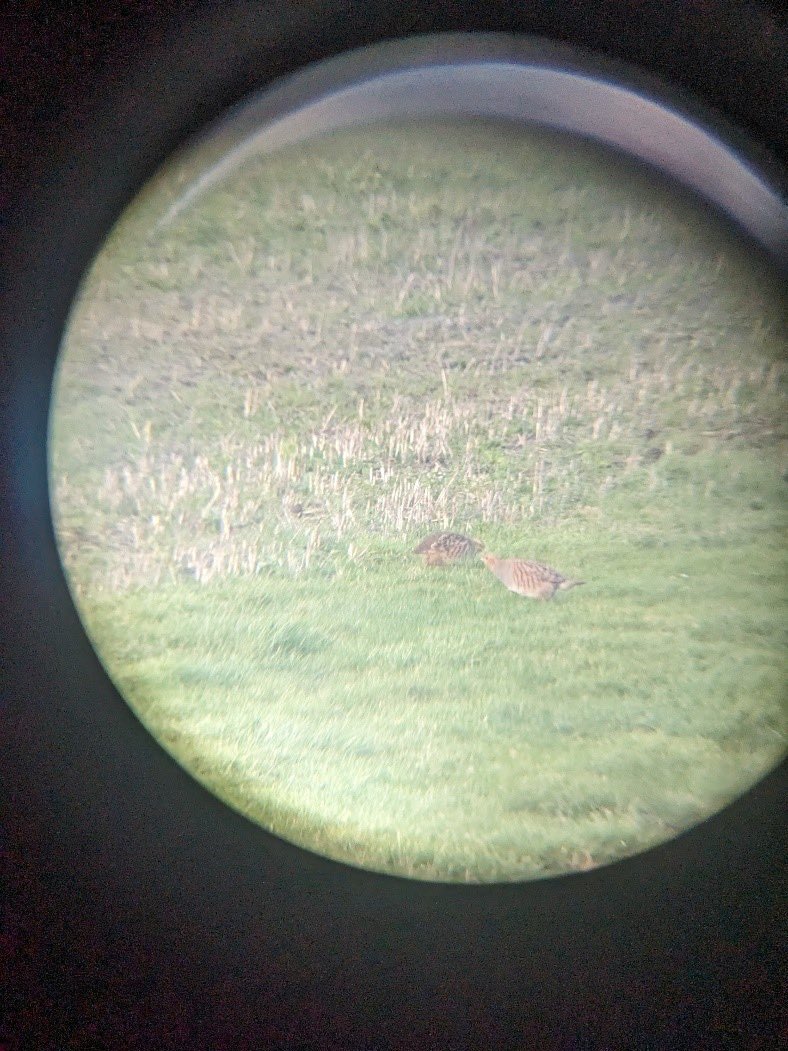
[[523, 577]]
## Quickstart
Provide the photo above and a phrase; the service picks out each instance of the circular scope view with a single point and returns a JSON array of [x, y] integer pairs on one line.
[[422, 488]]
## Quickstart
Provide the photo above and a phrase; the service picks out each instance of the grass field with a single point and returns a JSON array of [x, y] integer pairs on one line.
[[264, 405]]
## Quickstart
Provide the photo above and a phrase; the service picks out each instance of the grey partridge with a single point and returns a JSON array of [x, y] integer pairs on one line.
[[440, 549], [532, 579]]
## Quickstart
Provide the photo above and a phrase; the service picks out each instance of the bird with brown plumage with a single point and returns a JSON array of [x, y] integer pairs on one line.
[[532, 579], [441, 549]]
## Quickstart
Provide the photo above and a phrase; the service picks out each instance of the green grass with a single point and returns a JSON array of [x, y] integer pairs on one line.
[[263, 406], [437, 725]]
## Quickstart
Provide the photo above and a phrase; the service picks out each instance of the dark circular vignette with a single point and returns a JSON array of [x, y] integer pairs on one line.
[[144, 913]]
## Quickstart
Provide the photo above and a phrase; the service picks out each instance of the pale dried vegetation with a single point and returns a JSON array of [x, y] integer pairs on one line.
[[360, 488], [336, 354]]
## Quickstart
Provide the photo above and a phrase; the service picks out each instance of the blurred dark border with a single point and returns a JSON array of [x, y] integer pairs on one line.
[[138, 911]]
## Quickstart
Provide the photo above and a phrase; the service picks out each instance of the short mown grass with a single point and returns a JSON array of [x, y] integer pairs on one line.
[[263, 406], [436, 725]]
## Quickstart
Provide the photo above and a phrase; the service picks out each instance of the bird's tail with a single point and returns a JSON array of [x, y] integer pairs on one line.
[[565, 585]]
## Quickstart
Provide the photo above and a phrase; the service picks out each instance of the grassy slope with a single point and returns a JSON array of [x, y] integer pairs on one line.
[[348, 347]]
